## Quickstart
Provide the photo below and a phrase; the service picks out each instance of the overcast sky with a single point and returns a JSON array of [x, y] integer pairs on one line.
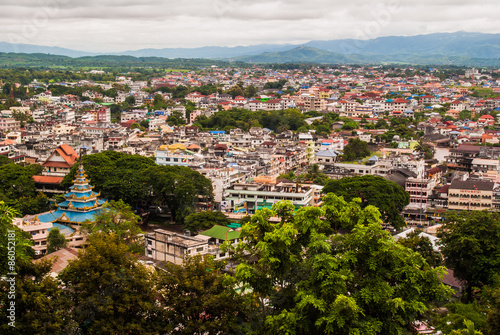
[[112, 25]]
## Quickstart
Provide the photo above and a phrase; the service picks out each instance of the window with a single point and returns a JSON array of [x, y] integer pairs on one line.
[[199, 249]]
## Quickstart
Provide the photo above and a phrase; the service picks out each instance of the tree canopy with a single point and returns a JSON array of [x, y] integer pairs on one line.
[[386, 195], [205, 220], [200, 298], [136, 179], [110, 291], [470, 247], [308, 282], [55, 240], [355, 149]]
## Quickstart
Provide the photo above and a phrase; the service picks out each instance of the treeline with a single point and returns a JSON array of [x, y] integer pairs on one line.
[[11, 60], [140, 182], [277, 121]]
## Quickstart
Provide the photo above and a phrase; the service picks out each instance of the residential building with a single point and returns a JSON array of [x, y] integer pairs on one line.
[[470, 195], [60, 161]]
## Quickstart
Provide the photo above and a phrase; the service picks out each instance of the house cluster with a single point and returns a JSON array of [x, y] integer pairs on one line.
[[244, 166]]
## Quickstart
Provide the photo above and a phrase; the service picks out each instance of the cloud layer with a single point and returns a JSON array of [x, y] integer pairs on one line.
[[110, 25]]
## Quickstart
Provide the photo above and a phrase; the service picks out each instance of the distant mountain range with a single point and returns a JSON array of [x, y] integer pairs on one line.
[[460, 48], [305, 54]]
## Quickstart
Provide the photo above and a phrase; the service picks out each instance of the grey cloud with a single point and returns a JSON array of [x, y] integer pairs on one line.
[[124, 25]]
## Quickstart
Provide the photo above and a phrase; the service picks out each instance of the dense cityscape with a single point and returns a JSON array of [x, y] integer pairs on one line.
[[249, 167], [301, 200]]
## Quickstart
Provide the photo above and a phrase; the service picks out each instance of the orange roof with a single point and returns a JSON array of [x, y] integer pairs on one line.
[[7, 142], [60, 258], [67, 153], [193, 146], [48, 179]]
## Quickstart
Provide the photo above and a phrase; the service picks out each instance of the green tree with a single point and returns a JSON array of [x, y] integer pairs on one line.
[[453, 320], [315, 175], [423, 246], [200, 299], [16, 181], [5, 160], [111, 293], [425, 148], [116, 217], [310, 283], [470, 247], [355, 149], [205, 220], [33, 205], [176, 119], [491, 298], [10, 233], [469, 330], [21, 116], [55, 240], [40, 304], [387, 196], [130, 100], [137, 179]]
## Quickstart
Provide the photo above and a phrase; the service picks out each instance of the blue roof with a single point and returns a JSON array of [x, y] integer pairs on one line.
[[81, 194], [77, 204], [65, 230], [327, 153], [373, 158]]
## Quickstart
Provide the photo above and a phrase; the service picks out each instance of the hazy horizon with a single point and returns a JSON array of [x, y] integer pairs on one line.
[[109, 26]]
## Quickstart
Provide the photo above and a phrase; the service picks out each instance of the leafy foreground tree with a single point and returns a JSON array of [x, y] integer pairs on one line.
[[470, 246], [200, 299], [110, 292], [22, 241], [39, 304], [55, 240], [307, 282], [117, 218], [386, 195], [205, 220]]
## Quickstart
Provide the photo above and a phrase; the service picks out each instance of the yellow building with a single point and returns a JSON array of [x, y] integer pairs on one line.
[[470, 195]]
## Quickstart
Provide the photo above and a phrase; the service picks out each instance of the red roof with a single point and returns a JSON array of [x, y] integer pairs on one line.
[[48, 179], [67, 153]]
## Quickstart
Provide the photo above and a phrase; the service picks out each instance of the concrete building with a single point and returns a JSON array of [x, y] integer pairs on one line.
[[39, 232], [249, 197], [8, 124], [470, 195], [169, 246]]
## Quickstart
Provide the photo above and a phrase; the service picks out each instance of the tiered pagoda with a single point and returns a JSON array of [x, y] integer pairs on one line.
[[81, 203]]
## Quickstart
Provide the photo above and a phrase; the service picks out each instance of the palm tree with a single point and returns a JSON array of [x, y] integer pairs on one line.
[[424, 148]]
